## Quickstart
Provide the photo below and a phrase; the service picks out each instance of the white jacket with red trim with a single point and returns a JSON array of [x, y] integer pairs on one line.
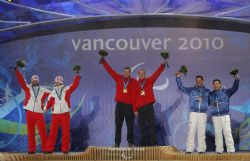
[[59, 99], [32, 103]]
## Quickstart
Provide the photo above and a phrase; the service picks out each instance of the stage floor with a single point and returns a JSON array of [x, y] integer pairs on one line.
[[159, 153]]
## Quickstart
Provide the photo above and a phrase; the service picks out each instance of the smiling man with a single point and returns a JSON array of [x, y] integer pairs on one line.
[[219, 99], [59, 101], [124, 98], [198, 102], [35, 96], [144, 104]]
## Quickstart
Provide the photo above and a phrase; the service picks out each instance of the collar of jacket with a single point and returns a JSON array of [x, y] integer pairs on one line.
[[34, 86], [199, 87], [59, 87], [126, 78], [142, 80], [216, 91]]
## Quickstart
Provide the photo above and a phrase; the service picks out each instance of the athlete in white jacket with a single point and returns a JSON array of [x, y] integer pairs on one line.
[[35, 96], [59, 100]]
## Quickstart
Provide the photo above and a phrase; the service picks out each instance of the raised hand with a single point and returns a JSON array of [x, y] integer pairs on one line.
[[178, 74]]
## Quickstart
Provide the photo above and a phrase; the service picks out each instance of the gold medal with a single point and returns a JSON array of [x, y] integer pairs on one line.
[[125, 90], [143, 93]]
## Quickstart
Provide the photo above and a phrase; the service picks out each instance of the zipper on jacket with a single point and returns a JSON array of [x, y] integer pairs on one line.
[[60, 107], [199, 106], [218, 110], [34, 106]]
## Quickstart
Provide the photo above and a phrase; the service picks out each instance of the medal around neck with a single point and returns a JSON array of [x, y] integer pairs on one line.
[[125, 90], [143, 93], [215, 104], [142, 84], [125, 85], [199, 98]]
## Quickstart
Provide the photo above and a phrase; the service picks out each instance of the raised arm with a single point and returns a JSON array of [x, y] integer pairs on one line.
[[180, 85], [234, 88], [75, 83], [111, 72], [21, 80], [157, 73]]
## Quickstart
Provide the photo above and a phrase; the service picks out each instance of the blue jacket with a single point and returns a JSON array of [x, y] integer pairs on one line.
[[219, 100], [198, 96]]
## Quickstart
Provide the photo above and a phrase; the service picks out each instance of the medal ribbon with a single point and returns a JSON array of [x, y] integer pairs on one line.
[[142, 84], [200, 94], [125, 83], [36, 92], [59, 95]]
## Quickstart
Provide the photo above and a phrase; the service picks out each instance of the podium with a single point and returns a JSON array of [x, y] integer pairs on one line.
[[157, 153]]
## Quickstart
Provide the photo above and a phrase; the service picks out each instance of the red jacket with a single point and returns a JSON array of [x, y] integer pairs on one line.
[[148, 98], [128, 97]]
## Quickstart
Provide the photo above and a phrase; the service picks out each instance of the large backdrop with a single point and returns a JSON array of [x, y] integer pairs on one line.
[[210, 52]]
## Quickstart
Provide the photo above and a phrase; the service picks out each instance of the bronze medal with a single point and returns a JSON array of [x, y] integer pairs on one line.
[[199, 98]]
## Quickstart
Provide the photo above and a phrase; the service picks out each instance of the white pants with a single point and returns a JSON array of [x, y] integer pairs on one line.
[[197, 121], [222, 125]]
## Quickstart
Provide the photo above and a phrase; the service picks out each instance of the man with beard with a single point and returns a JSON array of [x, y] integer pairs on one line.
[[35, 96]]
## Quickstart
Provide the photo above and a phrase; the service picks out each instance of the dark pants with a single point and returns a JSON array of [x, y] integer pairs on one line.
[[122, 111], [146, 118]]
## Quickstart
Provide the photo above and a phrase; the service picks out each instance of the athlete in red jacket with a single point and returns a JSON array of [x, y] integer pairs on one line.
[[124, 97], [59, 100], [35, 96], [144, 104]]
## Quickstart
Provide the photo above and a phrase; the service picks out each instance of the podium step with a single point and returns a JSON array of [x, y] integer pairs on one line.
[[168, 153]]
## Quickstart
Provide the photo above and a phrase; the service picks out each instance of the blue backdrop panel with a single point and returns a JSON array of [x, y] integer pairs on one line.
[[212, 53]]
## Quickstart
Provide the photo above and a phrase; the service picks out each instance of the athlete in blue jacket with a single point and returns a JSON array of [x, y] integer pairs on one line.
[[219, 99], [198, 101]]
